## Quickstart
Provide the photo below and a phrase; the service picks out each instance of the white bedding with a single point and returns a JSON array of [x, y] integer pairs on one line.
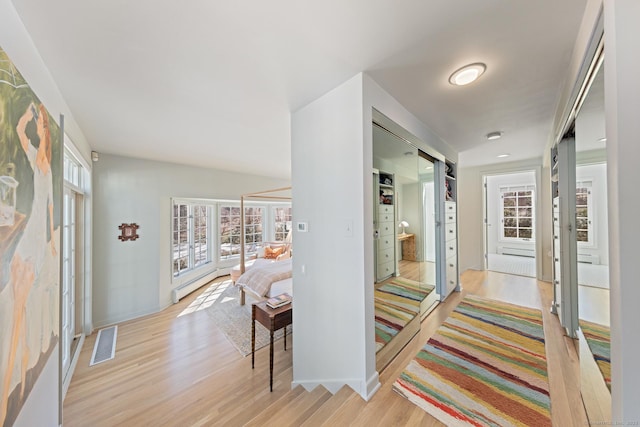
[[260, 277]]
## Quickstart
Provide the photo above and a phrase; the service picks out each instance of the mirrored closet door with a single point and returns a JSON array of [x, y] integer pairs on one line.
[[593, 249], [404, 213]]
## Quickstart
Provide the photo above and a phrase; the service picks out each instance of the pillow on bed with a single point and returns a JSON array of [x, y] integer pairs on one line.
[[272, 253]]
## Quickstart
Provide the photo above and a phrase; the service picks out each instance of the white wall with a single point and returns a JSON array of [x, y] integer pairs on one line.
[[622, 103], [494, 183], [41, 408], [15, 40], [133, 278]]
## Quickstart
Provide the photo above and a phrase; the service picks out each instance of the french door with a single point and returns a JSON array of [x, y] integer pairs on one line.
[[68, 276]]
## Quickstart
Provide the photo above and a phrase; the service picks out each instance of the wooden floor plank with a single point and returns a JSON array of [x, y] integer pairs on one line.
[[177, 370]]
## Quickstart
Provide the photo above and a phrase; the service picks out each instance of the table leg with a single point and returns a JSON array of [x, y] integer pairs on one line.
[[285, 337], [253, 335], [273, 325]]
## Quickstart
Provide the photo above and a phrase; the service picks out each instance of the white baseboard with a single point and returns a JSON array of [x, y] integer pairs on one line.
[[334, 386], [180, 292], [373, 385]]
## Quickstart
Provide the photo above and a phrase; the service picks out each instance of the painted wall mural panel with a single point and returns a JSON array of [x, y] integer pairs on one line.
[[30, 194]]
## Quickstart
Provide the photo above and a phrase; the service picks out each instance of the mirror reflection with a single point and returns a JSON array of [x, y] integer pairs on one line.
[[592, 244], [404, 241]]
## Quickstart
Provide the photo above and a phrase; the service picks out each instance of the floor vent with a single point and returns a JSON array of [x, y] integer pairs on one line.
[[105, 347]]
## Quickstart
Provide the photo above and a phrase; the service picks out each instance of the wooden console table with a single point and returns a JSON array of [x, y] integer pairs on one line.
[[272, 319], [408, 246]]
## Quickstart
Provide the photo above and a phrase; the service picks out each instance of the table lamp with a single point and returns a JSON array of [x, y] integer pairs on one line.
[[403, 224]]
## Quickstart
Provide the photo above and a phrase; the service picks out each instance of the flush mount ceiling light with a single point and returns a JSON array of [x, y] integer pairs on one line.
[[502, 156], [602, 140], [467, 74], [494, 135]]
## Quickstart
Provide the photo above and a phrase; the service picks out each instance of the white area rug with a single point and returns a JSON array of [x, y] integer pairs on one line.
[[593, 275], [588, 274], [519, 265], [235, 320]]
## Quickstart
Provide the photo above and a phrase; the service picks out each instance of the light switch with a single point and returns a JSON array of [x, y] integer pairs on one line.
[[348, 228]]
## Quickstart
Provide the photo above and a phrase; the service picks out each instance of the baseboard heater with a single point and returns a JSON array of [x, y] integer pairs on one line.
[[506, 250], [185, 289], [589, 259]]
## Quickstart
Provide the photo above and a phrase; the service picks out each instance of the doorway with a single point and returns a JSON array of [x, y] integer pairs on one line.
[[510, 223]]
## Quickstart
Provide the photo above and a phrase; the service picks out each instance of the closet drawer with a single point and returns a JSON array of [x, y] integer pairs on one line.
[[450, 231], [386, 228], [385, 217], [385, 269], [386, 255], [385, 242], [452, 271], [451, 248], [449, 207], [385, 209], [449, 217]]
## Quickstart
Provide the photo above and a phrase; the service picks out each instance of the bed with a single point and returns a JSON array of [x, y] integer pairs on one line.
[[266, 279]]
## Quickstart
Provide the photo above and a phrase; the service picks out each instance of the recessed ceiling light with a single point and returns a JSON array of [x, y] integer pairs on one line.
[[602, 140], [467, 74], [501, 156], [494, 135]]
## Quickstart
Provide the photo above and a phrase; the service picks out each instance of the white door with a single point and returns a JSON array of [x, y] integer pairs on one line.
[[68, 276]]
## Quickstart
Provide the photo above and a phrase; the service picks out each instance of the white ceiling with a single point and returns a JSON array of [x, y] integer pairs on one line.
[[212, 83]]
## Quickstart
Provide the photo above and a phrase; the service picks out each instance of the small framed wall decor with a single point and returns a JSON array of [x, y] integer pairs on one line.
[[128, 231]]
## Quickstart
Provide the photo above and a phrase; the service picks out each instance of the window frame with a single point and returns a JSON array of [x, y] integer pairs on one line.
[[193, 265], [288, 223], [590, 243], [264, 220], [517, 189], [217, 260]]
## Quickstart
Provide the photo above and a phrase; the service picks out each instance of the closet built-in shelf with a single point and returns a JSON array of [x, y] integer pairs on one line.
[[450, 181]]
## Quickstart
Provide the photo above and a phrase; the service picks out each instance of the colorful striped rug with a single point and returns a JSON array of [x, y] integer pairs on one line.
[[396, 303], [599, 341], [485, 366], [401, 287], [391, 316]]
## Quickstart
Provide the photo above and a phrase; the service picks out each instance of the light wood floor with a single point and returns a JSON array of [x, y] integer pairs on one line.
[[173, 370]]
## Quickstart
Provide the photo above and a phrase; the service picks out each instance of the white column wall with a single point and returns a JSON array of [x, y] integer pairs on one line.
[[331, 157], [622, 104], [329, 282]]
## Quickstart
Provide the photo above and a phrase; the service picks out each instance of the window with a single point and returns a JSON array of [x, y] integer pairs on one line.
[[517, 213], [72, 170], [584, 229], [207, 232], [230, 231], [282, 222], [190, 236]]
